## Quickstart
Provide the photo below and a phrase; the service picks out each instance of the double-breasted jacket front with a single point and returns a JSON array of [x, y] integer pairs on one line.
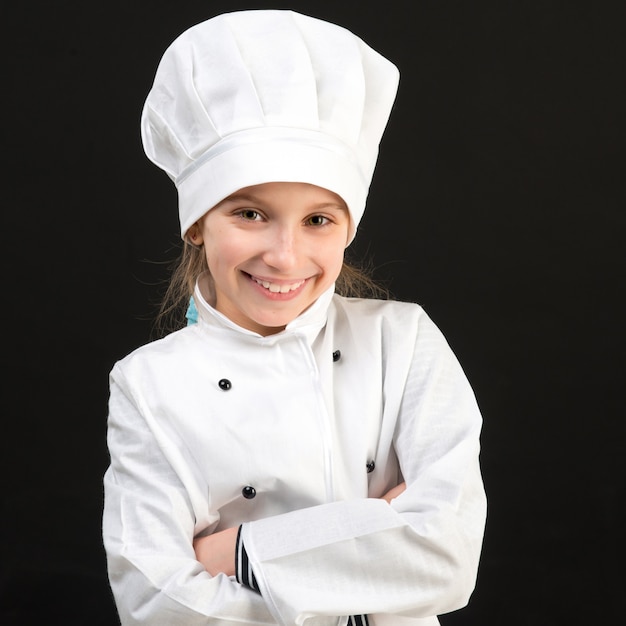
[[295, 436]]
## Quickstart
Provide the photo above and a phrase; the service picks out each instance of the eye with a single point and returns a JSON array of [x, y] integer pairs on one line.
[[249, 214], [317, 220]]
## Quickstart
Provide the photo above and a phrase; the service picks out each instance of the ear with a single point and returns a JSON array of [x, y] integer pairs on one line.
[[194, 235]]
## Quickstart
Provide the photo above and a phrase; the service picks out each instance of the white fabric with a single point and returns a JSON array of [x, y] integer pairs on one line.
[[257, 96], [299, 428]]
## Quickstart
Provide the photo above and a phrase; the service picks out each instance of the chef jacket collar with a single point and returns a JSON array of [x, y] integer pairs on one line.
[[308, 323]]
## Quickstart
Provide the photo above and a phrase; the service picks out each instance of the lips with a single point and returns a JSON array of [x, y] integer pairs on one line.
[[278, 287]]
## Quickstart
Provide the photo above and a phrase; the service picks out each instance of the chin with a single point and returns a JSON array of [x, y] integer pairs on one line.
[[276, 323]]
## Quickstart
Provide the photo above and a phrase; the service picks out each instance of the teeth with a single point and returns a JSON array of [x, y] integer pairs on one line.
[[275, 288]]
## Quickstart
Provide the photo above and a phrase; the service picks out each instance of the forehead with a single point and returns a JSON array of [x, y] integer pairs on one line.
[[293, 191]]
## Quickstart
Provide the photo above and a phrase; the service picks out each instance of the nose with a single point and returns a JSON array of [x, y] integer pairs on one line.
[[283, 247]]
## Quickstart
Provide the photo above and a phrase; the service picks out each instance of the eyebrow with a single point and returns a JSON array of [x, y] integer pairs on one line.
[[239, 197], [243, 197]]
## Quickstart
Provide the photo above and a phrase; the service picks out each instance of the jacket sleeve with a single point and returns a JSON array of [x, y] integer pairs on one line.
[[417, 557], [148, 529]]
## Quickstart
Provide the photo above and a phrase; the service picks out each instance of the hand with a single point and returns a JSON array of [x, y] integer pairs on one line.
[[217, 551], [394, 492]]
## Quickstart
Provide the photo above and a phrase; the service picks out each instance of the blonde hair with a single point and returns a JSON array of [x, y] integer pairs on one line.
[[354, 281]]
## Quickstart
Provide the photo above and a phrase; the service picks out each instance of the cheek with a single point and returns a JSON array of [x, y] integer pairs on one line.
[[333, 260], [217, 265], [220, 252]]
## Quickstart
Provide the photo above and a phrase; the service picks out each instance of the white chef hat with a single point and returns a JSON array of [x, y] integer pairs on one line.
[[258, 96]]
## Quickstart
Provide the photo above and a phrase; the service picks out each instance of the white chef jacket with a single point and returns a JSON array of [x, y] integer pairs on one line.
[[296, 436]]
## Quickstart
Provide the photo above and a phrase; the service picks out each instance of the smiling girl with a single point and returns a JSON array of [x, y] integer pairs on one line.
[[294, 456], [272, 250]]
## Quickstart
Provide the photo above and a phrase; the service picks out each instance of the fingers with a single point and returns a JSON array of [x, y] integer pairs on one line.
[[394, 492]]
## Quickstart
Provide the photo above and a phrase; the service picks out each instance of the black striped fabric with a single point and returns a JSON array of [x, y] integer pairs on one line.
[[243, 570]]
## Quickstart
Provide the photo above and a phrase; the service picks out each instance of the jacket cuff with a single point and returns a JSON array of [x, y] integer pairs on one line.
[[245, 576]]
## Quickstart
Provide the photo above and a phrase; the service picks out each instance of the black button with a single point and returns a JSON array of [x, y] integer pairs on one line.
[[248, 492], [336, 355], [225, 384], [370, 466]]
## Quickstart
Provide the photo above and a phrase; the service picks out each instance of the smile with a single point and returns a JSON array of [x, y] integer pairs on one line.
[[275, 287]]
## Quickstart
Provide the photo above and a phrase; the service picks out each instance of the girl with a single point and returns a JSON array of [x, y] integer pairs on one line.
[[295, 456]]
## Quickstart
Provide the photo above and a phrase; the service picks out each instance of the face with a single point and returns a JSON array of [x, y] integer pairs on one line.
[[272, 250]]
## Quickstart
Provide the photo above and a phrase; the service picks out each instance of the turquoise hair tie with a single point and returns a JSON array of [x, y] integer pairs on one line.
[[192, 312]]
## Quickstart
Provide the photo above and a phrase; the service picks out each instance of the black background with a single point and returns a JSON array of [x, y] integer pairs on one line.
[[498, 204]]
